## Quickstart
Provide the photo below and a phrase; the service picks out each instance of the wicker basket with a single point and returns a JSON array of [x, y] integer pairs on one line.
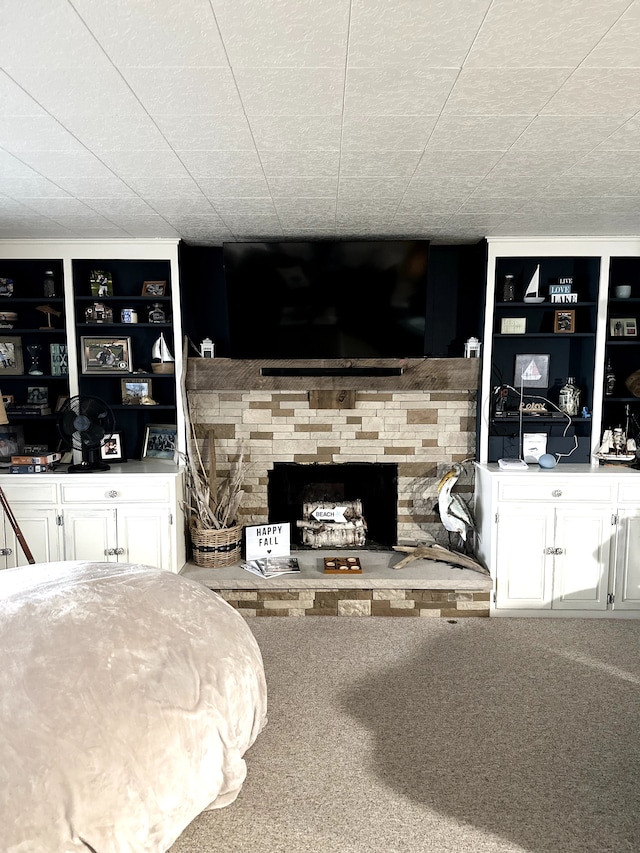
[[214, 549]]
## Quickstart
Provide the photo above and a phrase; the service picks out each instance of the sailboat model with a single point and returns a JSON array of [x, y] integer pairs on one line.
[[532, 291], [161, 359]]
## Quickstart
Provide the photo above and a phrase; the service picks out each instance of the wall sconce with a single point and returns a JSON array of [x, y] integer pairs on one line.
[[207, 348]]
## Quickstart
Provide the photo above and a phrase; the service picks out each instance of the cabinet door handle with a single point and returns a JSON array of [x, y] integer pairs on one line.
[[557, 493], [109, 552], [118, 551], [4, 552], [111, 494], [554, 551]]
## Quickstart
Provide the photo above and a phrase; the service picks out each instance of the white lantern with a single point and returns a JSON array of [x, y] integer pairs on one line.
[[472, 348], [207, 348]]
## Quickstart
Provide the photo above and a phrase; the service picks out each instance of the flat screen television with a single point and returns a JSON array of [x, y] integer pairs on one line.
[[327, 299]]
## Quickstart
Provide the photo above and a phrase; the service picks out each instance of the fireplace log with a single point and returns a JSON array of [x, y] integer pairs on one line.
[[333, 524]]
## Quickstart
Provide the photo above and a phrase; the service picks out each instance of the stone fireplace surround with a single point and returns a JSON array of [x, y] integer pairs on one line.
[[423, 420]]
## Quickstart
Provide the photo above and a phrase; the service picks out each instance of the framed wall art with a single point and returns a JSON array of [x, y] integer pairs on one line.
[[159, 441], [112, 449], [11, 362], [106, 355], [532, 371], [565, 321], [11, 442], [154, 288]]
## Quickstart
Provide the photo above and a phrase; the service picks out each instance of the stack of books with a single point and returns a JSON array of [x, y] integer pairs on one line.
[[33, 464], [30, 409]]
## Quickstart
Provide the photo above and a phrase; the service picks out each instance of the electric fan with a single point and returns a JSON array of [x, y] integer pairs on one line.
[[84, 423]]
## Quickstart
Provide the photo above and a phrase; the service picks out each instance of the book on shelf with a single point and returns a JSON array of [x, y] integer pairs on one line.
[[29, 469], [42, 459], [271, 567], [29, 409]]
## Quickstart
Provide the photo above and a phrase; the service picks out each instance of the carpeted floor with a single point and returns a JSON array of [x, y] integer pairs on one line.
[[483, 735]]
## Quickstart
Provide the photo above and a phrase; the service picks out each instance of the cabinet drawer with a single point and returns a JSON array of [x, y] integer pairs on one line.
[[556, 490], [30, 492], [629, 492], [152, 492]]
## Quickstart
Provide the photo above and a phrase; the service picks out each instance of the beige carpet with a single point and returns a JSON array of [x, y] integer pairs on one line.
[[483, 735]]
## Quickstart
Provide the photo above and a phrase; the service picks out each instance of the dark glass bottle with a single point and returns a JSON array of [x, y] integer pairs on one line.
[[609, 379], [508, 289]]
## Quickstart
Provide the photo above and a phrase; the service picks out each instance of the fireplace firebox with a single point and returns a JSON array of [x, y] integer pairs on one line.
[[290, 485]]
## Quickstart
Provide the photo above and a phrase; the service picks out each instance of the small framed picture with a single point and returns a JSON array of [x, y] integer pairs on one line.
[[513, 325], [112, 449], [6, 287], [565, 321], [101, 283], [630, 328], [62, 399], [106, 355], [154, 288], [159, 441], [134, 390], [11, 442], [11, 363], [37, 395], [532, 371], [623, 327]]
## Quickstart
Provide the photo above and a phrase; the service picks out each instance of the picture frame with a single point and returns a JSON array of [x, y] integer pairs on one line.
[[630, 328], [112, 449], [106, 355], [154, 288], [513, 325], [134, 389], [564, 321], [37, 395], [159, 441], [11, 442], [8, 399], [11, 361], [531, 370], [101, 283]]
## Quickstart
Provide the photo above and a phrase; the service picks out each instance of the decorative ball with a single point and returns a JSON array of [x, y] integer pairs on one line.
[[547, 461]]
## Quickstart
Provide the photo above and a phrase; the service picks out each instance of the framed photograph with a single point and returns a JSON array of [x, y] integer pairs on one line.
[[62, 399], [101, 283], [11, 442], [106, 355], [532, 371], [159, 441], [6, 287], [37, 395], [8, 399], [565, 321], [133, 390], [154, 288], [630, 328], [112, 449], [11, 363]]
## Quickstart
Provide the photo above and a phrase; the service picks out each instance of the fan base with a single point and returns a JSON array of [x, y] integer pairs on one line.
[[88, 467]]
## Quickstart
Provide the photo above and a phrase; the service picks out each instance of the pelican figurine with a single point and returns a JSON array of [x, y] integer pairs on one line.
[[454, 512]]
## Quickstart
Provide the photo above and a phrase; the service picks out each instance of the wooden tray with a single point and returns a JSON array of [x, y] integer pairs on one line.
[[342, 566]]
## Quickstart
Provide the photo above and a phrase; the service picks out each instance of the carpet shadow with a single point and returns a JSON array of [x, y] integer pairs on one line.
[[523, 730]]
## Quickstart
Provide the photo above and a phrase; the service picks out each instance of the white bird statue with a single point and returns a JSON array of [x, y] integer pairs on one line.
[[454, 512]]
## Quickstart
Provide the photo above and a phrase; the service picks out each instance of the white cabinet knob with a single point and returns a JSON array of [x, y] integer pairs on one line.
[[111, 494], [557, 493]]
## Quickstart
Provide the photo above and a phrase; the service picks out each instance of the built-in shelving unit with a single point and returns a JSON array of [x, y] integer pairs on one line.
[[595, 267]]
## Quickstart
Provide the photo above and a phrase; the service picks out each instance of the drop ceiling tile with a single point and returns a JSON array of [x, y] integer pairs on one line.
[[543, 165], [22, 187], [544, 34], [35, 133], [321, 164], [309, 187], [297, 132], [184, 90], [92, 88], [477, 132], [175, 33], [419, 222], [114, 207], [145, 226], [74, 221], [55, 207], [244, 206], [383, 163], [10, 207], [204, 132], [253, 226], [435, 205], [15, 102], [366, 132], [359, 207], [101, 133], [620, 46], [55, 164], [373, 189], [308, 229], [581, 186], [291, 91], [143, 163], [447, 186], [626, 137], [551, 225], [517, 186], [597, 91], [392, 91], [600, 162], [209, 221], [508, 91], [33, 228], [479, 204], [107, 186], [300, 33], [151, 186], [171, 208], [457, 163], [416, 34], [569, 133], [609, 205], [212, 164], [322, 209], [237, 187]]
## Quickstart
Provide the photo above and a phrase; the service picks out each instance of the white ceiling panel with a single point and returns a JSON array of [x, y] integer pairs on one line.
[[242, 119]]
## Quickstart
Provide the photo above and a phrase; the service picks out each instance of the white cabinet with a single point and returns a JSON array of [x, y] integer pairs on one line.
[[132, 513], [560, 542]]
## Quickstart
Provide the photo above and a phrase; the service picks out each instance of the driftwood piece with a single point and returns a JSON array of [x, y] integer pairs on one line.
[[213, 471], [440, 553]]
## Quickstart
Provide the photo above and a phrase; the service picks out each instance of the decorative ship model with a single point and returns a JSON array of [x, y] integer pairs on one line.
[[161, 359]]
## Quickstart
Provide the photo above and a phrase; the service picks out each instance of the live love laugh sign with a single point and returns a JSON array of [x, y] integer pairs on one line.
[[268, 540]]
